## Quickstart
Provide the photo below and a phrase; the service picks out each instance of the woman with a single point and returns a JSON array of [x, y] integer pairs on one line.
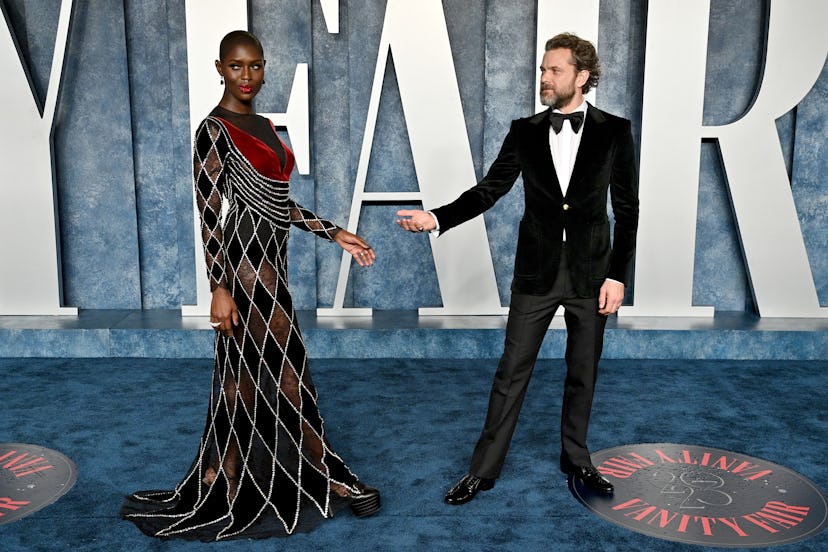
[[264, 467]]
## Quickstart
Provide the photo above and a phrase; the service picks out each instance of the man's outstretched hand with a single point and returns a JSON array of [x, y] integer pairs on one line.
[[415, 220]]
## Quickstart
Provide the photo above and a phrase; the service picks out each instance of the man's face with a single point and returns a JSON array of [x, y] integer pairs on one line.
[[559, 82]]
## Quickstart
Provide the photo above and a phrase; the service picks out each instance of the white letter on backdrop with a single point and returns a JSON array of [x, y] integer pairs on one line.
[[780, 274], [675, 58], [30, 280], [442, 157], [760, 190]]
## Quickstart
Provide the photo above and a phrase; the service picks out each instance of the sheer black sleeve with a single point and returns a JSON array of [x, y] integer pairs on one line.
[[306, 220], [209, 153]]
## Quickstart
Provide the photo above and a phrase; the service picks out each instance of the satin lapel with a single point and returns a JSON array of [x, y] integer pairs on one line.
[[589, 145], [540, 156]]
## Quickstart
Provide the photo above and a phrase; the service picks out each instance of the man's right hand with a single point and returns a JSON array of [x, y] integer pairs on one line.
[[416, 221]]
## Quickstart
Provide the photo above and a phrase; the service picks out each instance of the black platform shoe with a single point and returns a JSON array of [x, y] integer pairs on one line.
[[365, 501]]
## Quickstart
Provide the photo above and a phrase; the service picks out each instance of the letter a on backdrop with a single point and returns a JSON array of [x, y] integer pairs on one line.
[[442, 156]]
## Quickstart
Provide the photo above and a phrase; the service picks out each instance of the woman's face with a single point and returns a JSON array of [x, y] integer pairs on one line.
[[243, 73]]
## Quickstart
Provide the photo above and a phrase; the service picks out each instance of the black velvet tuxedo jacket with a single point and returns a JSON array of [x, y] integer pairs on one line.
[[605, 162]]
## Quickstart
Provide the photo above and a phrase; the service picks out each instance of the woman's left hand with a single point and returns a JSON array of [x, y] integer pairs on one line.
[[356, 246]]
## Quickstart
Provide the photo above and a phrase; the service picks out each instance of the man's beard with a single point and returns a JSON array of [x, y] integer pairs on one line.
[[556, 100]]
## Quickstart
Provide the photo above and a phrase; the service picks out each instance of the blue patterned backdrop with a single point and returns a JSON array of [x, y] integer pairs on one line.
[[122, 149]]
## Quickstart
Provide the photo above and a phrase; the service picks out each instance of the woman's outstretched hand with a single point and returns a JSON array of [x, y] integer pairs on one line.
[[359, 249]]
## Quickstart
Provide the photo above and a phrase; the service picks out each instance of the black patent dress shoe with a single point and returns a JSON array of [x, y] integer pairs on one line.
[[592, 479], [365, 501], [467, 488]]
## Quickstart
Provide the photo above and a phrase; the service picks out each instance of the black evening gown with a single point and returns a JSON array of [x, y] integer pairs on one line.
[[264, 466]]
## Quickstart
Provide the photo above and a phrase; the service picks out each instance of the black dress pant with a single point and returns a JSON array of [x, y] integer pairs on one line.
[[529, 318]]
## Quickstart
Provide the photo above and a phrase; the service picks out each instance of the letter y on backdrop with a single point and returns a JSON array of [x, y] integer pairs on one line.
[[30, 269]]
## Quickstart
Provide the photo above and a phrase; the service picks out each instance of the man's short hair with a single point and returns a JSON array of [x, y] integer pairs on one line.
[[584, 56]]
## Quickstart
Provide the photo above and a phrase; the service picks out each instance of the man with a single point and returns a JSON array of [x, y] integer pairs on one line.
[[570, 156]]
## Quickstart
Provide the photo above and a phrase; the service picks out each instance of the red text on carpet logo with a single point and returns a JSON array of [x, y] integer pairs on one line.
[[23, 464], [706, 496], [31, 477]]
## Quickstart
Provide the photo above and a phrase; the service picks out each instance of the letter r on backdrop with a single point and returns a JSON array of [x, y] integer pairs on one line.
[[760, 189]]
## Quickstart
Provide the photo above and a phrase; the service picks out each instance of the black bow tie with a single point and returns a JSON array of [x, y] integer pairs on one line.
[[576, 119]]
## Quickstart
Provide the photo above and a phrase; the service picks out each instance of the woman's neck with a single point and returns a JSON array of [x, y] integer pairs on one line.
[[237, 107]]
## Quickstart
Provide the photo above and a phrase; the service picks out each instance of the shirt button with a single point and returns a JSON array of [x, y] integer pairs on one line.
[[566, 206]]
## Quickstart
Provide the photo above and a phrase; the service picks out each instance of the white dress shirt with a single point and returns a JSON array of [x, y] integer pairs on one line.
[[564, 148]]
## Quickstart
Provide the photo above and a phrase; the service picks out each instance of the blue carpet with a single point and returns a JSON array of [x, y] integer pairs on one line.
[[408, 427]]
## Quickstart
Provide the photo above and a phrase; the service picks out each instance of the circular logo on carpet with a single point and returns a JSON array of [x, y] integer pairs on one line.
[[31, 477], [706, 496]]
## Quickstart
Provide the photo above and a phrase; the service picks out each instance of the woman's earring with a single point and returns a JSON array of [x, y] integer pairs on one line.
[[263, 81], [222, 81]]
